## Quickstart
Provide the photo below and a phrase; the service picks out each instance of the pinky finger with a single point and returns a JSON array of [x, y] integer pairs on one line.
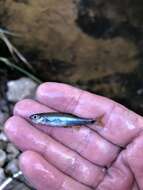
[[44, 176]]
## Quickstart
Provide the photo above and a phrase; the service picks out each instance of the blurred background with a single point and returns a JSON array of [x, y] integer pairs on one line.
[[96, 45]]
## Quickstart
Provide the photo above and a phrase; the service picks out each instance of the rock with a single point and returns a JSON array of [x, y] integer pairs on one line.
[[3, 145], [3, 137], [3, 117], [4, 111], [12, 151], [20, 89], [12, 167], [140, 91], [1, 127], [24, 180], [72, 55], [2, 175], [4, 105], [21, 186], [103, 54], [2, 157], [16, 185], [99, 49], [3, 141]]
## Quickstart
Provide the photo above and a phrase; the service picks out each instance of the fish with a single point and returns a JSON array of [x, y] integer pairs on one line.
[[55, 119]]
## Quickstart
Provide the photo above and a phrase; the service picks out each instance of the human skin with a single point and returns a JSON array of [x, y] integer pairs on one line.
[[101, 157]]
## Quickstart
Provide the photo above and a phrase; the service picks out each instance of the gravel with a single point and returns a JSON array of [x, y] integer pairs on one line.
[[12, 151], [12, 167], [17, 90], [2, 175], [2, 158], [3, 137]]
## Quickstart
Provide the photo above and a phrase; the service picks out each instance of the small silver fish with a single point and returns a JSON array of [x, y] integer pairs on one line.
[[59, 119]]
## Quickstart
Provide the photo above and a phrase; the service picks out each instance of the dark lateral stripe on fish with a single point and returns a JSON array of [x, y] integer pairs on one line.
[[59, 119]]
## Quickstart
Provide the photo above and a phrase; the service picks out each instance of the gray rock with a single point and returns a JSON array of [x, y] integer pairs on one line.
[[16, 185], [21, 186], [1, 127], [3, 137], [12, 167], [12, 151], [2, 157], [3, 145], [4, 105], [20, 89], [25, 181], [3, 117], [2, 175]]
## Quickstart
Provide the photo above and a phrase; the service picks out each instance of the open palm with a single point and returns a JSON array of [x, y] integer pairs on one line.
[[105, 157]]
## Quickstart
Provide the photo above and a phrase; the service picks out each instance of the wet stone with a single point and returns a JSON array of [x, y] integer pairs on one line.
[[21, 186], [3, 117], [2, 175], [12, 167], [25, 181], [2, 157], [3, 137], [20, 89], [1, 127], [3, 145], [12, 151], [16, 185]]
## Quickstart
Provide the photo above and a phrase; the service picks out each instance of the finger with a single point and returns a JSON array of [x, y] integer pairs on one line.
[[26, 137], [118, 177], [134, 157], [84, 141], [73, 100], [120, 124], [135, 186], [44, 176]]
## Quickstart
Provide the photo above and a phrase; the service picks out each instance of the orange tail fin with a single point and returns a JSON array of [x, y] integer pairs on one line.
[[99, 121]]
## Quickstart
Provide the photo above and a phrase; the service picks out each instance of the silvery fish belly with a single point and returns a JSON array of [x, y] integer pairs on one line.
[[59, 119]]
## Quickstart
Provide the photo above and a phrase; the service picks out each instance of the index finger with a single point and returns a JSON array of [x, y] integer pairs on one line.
[[120, 124]]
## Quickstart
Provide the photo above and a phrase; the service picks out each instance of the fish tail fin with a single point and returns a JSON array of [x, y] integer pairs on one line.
[[99, 121]]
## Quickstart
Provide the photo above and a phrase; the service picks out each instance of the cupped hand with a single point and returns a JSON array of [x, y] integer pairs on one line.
[[106, 157]]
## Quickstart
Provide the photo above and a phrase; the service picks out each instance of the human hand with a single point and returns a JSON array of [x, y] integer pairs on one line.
[[94, 157]]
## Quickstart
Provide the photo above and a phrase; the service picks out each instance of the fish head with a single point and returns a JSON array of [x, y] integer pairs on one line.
[[37, 119]]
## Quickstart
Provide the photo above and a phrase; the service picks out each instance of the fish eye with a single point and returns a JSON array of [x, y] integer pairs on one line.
[[35, 116]]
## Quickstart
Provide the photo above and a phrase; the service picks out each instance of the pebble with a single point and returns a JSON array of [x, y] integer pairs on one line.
[[17, 90], [2, 157], [25, 181], [4, 105], [2, 175], [21, 186], [12, 151], [3, 117], [20, 89], [140, 91], [3, 145], [12, 167], [3, 137], [16, 185]]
